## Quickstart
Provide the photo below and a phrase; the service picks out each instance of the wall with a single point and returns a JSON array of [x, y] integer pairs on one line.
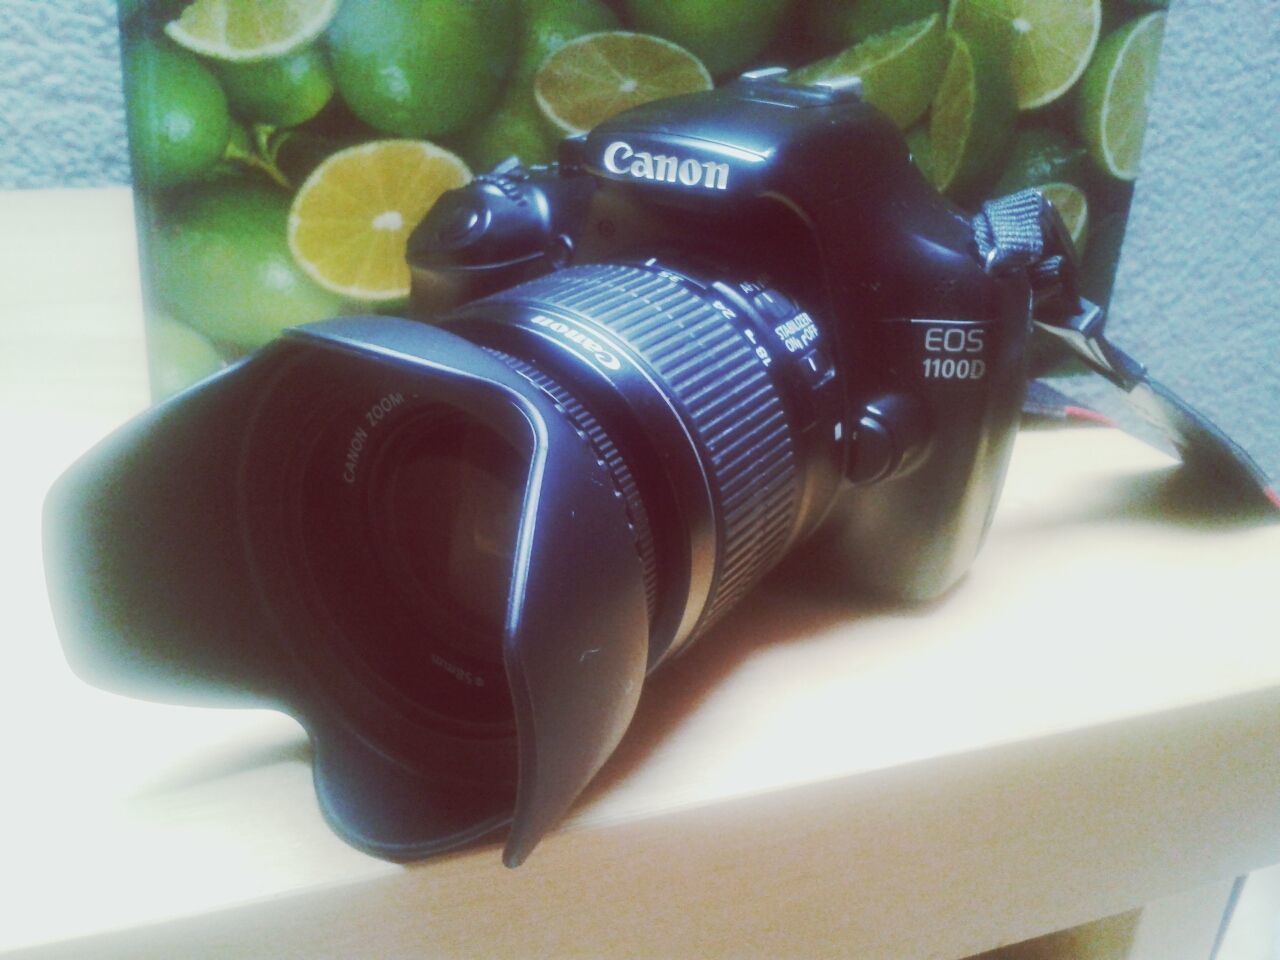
[[1196, 294], [61, 108]]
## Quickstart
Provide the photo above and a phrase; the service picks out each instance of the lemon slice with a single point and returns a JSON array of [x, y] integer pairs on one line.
[[1114, 95], [601, 74], [1050, 41], [351, 219], [243, 30], [1073, 206], [900, 69]]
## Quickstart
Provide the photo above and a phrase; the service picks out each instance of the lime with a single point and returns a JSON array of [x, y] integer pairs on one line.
[[420, 68], [723, 34], [223, 265], [548, 26], [179, 357], [178, 120], [250, 29], [515, 128], [283, 92], [1073, 206], [900, 69], [921, 150], [1041, 155], [351, 220], [594, 77], [1098, 270], [1051, 41], [1114, 95], [838, 23], [972, 119]]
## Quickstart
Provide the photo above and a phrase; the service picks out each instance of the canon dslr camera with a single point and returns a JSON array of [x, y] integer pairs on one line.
[[723, 325]]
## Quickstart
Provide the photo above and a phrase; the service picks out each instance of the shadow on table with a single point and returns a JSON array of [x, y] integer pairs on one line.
[[1170, 496]]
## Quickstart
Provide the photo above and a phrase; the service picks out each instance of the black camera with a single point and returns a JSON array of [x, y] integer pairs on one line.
[[721, 326]]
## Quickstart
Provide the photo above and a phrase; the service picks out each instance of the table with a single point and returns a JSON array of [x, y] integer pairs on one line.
[[1088, 723]]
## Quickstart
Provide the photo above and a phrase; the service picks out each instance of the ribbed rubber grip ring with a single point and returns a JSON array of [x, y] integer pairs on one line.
[[709, 369], [607, 453]]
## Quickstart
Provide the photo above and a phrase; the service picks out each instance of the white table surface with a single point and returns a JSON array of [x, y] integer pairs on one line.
[[1090, 721]]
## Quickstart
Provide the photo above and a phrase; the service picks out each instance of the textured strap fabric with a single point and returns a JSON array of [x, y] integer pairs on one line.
[[1009, 233], [1024, 232]]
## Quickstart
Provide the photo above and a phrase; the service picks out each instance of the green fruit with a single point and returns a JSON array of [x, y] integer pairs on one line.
[[283, 92], [1049, 41], [515, 128], [1114, 95], [1042, 155], [549, 25], [223, 265], [900, 70], [178, 119], [422, 68], [972, 120], [723, 34], [843, 22], [921, 150], [179, 357]]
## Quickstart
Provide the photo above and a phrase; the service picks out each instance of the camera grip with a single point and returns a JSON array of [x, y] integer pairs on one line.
[[913, 533]]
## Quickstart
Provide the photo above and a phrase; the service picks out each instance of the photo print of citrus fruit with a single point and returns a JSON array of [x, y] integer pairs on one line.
[[283, 150]]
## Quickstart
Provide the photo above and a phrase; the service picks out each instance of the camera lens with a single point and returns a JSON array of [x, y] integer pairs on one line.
[[446, 507], [711, 401]]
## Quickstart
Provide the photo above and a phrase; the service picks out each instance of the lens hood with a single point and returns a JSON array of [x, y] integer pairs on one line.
[[184, 554]]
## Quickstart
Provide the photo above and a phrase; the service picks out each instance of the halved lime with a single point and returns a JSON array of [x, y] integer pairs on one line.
[[921, 150], [1050, 41], [548, 26], [598, 75], [1073, 206], [900, 69], [972, 120], [350, 221], [836, 23], [1115, 92], [250, 29]]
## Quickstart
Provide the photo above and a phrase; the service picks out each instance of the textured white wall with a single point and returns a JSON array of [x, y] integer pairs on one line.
[[1197, 292], [61, 107], [1197, 296]]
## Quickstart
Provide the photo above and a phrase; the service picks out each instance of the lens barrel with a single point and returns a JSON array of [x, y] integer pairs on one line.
[[688, 393]]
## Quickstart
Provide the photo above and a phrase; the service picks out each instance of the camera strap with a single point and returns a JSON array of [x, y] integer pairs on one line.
[[1023, 232]]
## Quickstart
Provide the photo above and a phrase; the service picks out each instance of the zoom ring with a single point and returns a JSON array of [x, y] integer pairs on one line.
[[729, 404], [607, 454]]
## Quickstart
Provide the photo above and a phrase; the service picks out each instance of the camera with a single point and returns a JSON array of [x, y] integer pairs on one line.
[[722, 327]]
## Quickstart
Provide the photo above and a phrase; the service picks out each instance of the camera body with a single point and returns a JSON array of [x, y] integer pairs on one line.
[[867, 289], [722, 325]]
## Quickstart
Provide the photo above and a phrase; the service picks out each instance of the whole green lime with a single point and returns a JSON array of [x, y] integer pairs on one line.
[[179, 357], [178, 119], [223, 265], [549, 25], [283, 92], [839, 23], [422, 68], [515, 128], [723, 34], [1042, 155]]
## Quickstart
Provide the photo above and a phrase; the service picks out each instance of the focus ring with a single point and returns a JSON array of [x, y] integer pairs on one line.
[[710, 370], [607, 453]]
